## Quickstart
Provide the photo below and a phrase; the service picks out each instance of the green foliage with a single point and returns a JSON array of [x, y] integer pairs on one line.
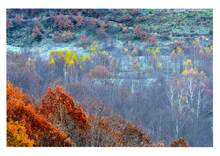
[[196, 42], [154, 52], [177, 51]]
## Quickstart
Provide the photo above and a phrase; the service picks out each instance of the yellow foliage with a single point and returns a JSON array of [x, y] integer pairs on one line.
[[82, 58], [179, 50], [60, 53], [51, 60], [187, 62], [154, 52], [93, 47], [17, 136], [185, 72], [190, 72], [69, 57], [87, 56], [125, 50]]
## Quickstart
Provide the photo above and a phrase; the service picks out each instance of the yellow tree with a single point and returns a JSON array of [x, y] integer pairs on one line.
[[195, 82], [153, 55], [187, 94], [71, 61], [177, 56], [17, 136]]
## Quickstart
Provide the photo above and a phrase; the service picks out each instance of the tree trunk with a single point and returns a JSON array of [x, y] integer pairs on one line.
[[177, 128], [198, 104]]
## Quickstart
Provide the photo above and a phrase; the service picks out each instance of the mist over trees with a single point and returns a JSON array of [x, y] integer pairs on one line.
[[109, 77]]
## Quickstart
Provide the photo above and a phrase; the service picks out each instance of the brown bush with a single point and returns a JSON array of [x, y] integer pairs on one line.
[[181, 142]]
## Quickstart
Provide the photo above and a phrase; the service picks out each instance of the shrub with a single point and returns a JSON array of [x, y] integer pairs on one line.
[[37, 30], [139, 33], [58, 100], [153, 40], [80, 20], [93, 22], [20, 109], [62, 37], [63, 22], [17, 135], [18, 19], [84, 40], [181, 142], [103, 26]]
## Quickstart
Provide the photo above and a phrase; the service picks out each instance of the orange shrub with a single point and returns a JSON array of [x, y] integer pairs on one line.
[[57, 100], [20, 109]]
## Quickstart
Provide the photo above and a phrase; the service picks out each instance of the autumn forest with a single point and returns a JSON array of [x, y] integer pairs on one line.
[[109, 78]]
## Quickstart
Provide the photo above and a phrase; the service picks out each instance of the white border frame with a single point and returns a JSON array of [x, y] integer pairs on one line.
[[155, 4]]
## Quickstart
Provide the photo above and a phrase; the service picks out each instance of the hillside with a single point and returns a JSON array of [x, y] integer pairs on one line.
[[61, 121]]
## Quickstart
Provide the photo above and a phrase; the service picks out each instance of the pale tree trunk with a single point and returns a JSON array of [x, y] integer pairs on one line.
[[65, 76], [198, 104], [177, 128], [179, 101], [132, 87], [171, 100], [190, 91]]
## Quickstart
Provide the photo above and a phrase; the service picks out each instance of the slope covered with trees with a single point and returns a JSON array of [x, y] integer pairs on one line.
[[60, 121]]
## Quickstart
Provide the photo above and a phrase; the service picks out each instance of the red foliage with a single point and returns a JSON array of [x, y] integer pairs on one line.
[[79, 20], [178, 43], [181, 142], [19, 108], [103, 26], [121, 133], [140, 33], [62, 37], [97, 130], [93, 22], [153, 39], [134, 136], [53, 100], [137, 29], [37, 29], [63, 22], [83, 38], [18, 19], [9, 24]]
